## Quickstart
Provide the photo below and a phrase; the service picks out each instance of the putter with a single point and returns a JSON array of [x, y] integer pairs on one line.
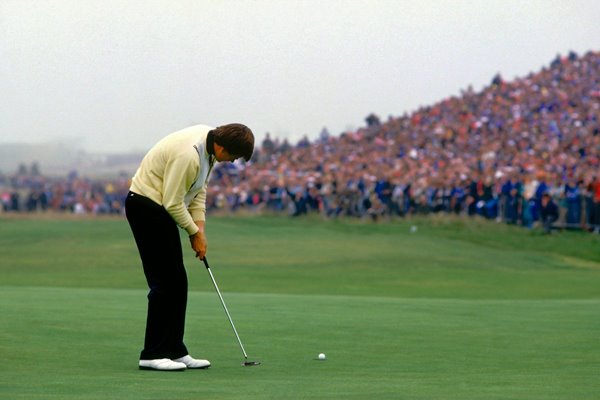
[[246, 363]]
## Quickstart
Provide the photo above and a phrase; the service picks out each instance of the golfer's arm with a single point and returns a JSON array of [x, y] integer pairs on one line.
[[197, 207], [175, 187], [200, 225], [198, 240]]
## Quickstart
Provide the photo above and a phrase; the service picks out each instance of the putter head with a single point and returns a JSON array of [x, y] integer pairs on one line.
[[250, 363]]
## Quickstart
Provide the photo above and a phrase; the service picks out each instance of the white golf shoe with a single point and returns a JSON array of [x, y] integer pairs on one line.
[[162, 364], [193, 363]]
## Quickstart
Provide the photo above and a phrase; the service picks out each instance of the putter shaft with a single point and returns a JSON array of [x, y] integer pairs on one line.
[[225, 307]]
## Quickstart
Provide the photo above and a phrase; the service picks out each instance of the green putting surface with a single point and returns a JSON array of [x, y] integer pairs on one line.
[[457, 310]]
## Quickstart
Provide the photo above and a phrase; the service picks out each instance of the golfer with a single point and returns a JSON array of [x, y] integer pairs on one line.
[[169, 190]]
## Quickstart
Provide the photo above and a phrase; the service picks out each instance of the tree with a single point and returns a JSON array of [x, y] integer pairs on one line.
[[22, 169], [35, 169]]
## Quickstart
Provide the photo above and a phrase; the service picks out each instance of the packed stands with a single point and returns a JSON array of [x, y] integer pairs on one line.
[[492, 153]]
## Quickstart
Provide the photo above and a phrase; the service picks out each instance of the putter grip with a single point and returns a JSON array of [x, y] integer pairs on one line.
[[205, 262]]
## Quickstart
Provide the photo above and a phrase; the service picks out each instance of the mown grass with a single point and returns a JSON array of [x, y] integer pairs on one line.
[[459, 309]]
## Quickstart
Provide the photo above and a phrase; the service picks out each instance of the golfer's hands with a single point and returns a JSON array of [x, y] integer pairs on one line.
[[198, 241]]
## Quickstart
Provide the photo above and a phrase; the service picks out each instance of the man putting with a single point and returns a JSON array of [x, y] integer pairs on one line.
[[169, 190]]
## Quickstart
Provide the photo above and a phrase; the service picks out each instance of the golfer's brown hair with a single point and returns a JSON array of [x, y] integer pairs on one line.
[[237, 139]]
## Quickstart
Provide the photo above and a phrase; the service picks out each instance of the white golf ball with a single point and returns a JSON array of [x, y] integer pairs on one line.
[[413, 229], [322, 356]]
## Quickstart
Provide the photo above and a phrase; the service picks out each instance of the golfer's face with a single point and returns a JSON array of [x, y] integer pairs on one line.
[[223, 155]]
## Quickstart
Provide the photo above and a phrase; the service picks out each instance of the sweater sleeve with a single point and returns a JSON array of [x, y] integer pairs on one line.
[[198, 206], [180, 173]]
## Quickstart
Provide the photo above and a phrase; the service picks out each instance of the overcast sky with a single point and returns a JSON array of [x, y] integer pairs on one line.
[[117, 75]]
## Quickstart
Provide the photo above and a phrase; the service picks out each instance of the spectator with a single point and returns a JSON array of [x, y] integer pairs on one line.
[[548, 212], [573, 196], [596, 205]]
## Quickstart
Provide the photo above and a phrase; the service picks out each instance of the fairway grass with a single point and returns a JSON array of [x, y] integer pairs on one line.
[[457, 311]]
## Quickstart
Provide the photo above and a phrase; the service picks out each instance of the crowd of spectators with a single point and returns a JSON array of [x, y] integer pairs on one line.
[[27, 192], [525, 152]]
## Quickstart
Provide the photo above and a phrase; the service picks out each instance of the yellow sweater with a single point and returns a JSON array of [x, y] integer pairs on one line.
[[175, 173]]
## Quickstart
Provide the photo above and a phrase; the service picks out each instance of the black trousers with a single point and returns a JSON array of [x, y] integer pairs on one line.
[[157, 239]]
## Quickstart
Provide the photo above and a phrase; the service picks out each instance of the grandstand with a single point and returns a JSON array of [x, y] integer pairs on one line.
[[491, 153]]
